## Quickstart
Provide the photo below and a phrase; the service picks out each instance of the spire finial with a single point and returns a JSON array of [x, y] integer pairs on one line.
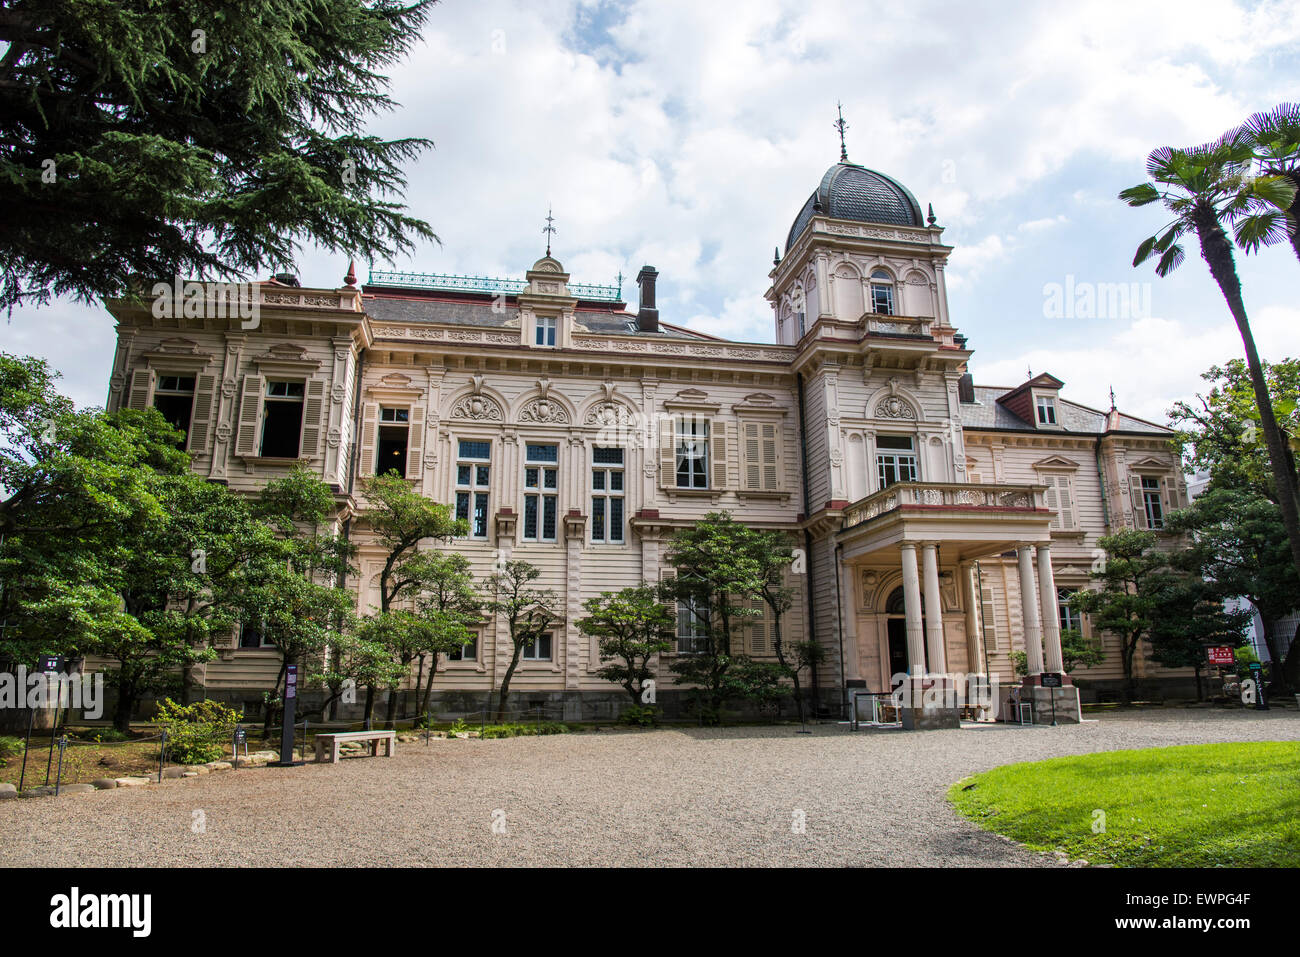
[[549, 229], [1112, 398], [1029, 372], [930, 219], [620, 284], [841, 126], [776, 255]]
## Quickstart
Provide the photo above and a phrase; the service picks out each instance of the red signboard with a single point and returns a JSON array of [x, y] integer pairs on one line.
[[1221, 655]]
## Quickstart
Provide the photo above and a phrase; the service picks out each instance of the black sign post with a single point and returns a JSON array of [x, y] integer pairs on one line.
[[50, 665], [286, 725], [1051, 680], [1257, 673]]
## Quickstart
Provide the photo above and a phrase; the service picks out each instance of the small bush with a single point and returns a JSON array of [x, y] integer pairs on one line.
[[197, 733], [640, 717], [523, 730], [8, 748]]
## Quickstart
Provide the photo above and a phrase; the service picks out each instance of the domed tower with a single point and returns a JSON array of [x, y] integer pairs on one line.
[[860, 246]]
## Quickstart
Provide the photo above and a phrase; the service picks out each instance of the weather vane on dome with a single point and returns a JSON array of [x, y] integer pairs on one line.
[[841, 126], [549, 229]]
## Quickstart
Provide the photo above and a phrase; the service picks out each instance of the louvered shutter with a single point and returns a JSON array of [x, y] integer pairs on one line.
[[201, 419], [988, 619], [1139, 506], [718, 454], [369, 433], [1065, 491], [667, 453], [250, 415], [760, 632], [1052, 500], [415, 443], [753, 456], [313, 415], [141, 386], [771, 450]]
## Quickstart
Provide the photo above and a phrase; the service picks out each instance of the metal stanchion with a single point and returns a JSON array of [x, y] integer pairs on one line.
[[162, 755], [63, 746]]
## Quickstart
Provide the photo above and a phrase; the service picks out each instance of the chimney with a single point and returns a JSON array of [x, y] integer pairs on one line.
[[647, 316], [966, 388]]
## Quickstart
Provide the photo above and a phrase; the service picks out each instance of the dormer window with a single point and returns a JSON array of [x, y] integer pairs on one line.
[[546, 330], [1046, 406], [882, 293]]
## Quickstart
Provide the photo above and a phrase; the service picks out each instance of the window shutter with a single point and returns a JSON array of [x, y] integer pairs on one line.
[[752, 454], [1052, 498], [415, 443], [1139, 507], [201, 419], [369, 432], [771, 446], [250, 415], [312, 419], [759, 632], [141, 386], [1065, 486], [988, 619], [667, 453], [718, 453]]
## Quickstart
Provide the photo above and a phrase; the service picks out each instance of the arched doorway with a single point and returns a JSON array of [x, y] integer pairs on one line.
[[896, 624]]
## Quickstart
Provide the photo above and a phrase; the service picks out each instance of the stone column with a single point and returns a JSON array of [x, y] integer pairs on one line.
[[933, 609], [1051, 617], [1033, 628], [912, 610]]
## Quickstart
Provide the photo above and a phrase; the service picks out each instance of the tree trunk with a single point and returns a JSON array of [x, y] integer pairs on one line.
[[505, 683], [370, 704], [1217, 253], [122, 712], [428, 685]]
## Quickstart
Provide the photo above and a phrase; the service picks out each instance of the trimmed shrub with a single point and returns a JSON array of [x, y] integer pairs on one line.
[[199, 732]]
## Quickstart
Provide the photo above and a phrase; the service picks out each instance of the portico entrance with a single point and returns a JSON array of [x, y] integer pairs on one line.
[[896, 631]]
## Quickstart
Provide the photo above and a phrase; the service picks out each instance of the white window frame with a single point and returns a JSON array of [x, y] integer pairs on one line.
[[541, 494], [268, 398], [547, 328], [691, 446], [882, 282], [1046, 403], [689, 629], [1154, 496], [473, 489], [549, 636], [898, 458], [606, 495], [458, 655]]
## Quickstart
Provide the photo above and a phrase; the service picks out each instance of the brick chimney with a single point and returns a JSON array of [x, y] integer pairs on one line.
[[647, 316]]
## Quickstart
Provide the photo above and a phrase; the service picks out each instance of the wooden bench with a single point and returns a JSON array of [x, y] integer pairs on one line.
[[332, 742]]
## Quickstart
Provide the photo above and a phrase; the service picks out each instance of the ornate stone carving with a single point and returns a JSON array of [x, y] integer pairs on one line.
[[544, 411], [334, 438], [608, 414], [894, 407], [223, 433], [228, 387], [337, 393]]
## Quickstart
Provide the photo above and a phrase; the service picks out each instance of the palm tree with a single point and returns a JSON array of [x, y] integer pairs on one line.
[[1204, 187], [1274, 138]]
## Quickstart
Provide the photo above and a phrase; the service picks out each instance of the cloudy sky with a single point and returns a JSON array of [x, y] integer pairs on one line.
[[687, 135]]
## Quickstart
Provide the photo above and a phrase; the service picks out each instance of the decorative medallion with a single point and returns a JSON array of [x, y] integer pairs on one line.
[[893, 407]]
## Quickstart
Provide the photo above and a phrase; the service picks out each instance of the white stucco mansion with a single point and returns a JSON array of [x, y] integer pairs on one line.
[[943, 521]]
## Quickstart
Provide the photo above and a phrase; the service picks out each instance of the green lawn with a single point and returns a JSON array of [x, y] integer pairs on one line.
[[1201, 805]]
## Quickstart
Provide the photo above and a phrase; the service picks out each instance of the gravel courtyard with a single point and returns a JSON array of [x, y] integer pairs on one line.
[[671, 797]]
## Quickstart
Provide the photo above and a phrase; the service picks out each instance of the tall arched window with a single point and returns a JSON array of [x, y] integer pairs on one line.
[[882, 293]]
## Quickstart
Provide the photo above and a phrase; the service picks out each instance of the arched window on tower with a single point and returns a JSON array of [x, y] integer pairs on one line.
[[882, 293]]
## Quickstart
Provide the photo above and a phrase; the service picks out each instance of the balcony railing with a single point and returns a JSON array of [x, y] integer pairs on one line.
[[485, 284], [943, 495]]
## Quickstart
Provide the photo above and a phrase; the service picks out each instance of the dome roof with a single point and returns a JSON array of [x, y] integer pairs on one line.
[[850, 191]]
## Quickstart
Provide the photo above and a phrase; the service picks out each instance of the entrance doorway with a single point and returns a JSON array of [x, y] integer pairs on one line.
[[896, 626]]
